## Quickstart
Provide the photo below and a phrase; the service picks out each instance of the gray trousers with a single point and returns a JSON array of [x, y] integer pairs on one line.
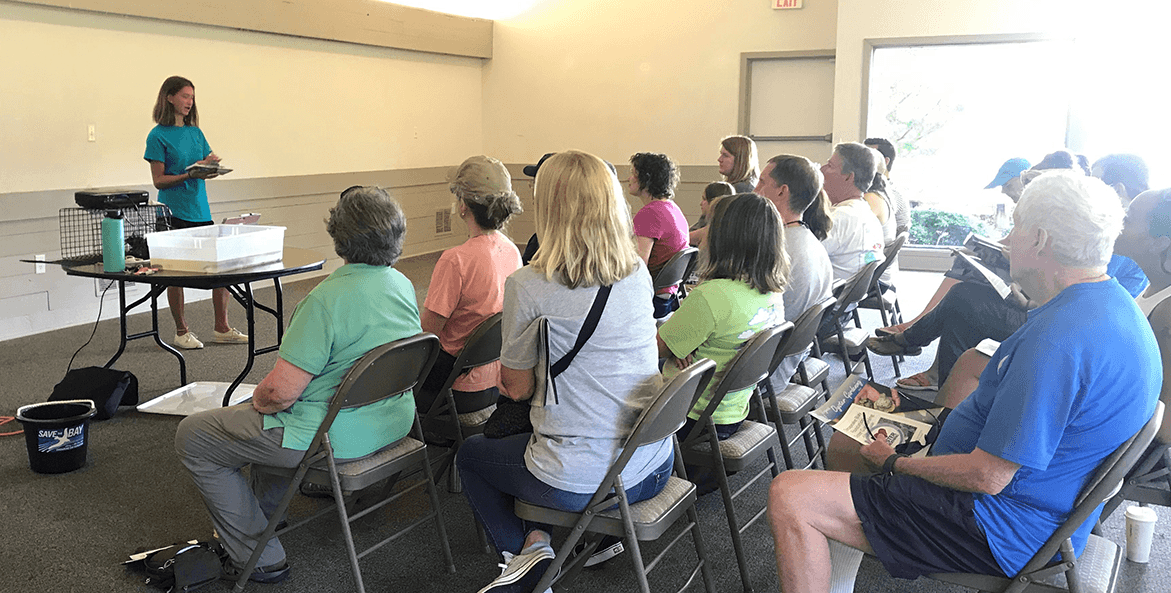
[[215, 446]]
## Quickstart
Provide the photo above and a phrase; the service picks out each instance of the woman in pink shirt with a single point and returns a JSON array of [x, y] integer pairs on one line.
[[467, 285], [659, 226]]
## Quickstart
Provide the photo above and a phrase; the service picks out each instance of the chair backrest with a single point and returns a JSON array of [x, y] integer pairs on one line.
[[891, 253], [1100, 487], [856, 287], [676, 268], [665, 415], [481, 348], [751, 365], [804, 330], [386, 371]]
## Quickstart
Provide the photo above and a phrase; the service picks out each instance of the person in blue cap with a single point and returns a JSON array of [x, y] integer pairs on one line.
[[1008, 178]]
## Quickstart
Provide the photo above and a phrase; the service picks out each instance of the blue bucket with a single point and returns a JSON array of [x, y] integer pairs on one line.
[[57, 434]]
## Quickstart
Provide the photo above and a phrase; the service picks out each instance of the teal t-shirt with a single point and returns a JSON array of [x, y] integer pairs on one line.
[[356, 309], [714, 321], [179, 147]]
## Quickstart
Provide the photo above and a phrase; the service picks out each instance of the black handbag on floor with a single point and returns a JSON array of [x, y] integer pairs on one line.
[[108, 388], [183, 567], [512, 417]]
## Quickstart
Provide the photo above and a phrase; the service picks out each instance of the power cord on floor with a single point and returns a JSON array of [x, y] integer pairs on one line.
[[5, 420], [101, 301]]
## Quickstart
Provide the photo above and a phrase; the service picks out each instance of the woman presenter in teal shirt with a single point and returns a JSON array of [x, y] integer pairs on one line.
[[172, 146]]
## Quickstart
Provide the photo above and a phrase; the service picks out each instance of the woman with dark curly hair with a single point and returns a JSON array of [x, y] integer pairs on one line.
[[659, 226]]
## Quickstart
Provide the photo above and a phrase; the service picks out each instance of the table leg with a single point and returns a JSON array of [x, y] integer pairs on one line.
[[124, 310], [245, 298]]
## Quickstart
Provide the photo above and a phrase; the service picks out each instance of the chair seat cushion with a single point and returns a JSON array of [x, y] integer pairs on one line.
[[360, 473], [856, 338], [651, 517], [816, 368], [745, 442], [794, 398], [477, 417]]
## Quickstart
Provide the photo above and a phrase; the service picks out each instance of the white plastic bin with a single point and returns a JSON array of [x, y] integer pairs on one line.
[[216, 248]]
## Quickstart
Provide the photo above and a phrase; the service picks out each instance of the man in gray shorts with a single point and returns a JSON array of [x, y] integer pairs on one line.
[[1057, 398]]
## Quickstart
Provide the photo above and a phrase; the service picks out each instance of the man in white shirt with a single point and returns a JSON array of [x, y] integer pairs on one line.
[[856, 237]]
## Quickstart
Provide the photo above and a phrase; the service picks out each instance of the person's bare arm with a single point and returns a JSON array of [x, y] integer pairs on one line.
[[517, 384], [878, 206], [280, 388], [644, 248], [164, 181], [432, 322], [977, 471], [697, 237]]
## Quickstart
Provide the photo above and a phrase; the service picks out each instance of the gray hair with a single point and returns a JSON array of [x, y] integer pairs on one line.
[[367, 226], [859, 160], [1081, 215]]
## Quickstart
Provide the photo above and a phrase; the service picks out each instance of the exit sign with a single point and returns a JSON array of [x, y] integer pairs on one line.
[[783, 4]]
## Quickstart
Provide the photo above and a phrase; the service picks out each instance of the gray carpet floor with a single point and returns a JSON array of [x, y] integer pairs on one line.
[[69, 532]]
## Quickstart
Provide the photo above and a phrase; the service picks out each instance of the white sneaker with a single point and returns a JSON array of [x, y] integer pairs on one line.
[[522, 571], [232, 336], [187, 341]]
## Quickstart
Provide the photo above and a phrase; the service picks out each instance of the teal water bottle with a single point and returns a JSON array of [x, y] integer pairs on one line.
[[113, 242]]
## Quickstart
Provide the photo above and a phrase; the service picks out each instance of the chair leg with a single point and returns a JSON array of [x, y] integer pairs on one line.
[[339, 501], [636, 556], [730, 511], [785, 454], [433, 493], [700, 551]]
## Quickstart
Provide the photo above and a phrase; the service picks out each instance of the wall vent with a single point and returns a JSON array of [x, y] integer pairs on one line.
[[443, 221]]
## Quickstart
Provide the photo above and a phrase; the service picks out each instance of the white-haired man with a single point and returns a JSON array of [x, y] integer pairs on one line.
[[856, 237], [1075, 381]]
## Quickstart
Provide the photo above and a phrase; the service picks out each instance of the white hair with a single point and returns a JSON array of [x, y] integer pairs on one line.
[[1081, 215]]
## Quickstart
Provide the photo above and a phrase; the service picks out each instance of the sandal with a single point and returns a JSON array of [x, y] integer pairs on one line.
[[891, 330], [917, 382], [892, 345]]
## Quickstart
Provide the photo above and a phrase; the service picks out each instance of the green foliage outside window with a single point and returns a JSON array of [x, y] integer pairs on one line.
[[940, 227]]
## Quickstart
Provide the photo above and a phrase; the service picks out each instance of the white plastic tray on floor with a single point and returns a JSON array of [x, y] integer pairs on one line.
[[196, 397]]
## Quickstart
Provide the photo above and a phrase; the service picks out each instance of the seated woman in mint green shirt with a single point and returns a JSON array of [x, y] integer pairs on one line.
[[362, 305], [738, 295]]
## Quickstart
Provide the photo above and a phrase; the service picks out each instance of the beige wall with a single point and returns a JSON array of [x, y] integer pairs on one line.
[[297, 119], [615, 77], [269, 105]]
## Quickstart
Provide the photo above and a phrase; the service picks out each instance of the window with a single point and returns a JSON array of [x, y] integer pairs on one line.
[[955, 112]]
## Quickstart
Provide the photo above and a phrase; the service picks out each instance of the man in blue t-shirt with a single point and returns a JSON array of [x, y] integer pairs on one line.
[[1078, 379]]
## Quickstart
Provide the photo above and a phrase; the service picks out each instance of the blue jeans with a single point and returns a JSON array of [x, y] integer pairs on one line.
[[494, 475]]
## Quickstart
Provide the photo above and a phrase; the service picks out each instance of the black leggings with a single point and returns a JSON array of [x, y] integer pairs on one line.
[[968, 313]]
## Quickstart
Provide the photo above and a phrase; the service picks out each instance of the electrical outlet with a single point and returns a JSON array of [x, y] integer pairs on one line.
[[93, 133], [40, 266]]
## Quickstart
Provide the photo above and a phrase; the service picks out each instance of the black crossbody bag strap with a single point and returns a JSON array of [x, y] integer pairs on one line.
[[587, 330]]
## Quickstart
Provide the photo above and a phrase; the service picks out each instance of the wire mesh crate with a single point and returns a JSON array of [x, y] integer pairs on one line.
[[81, 231]]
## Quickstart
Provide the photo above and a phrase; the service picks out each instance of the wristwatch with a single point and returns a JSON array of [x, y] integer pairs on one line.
[[888, 466]]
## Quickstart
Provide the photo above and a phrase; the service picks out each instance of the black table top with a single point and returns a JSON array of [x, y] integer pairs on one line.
[[294, 261]]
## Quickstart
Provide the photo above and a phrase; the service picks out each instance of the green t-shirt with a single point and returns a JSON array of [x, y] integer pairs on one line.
[[356, 309], [714, 321]]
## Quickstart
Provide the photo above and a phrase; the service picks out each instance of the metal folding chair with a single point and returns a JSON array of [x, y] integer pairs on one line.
[[641, 521], [390, 370], [754, 439]]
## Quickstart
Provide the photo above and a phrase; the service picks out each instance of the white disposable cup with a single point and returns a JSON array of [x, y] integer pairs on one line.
[[1140, 529]]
